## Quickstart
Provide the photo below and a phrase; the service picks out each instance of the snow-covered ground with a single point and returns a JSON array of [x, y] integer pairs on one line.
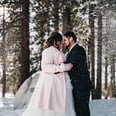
[[98, 107], [6, 106]]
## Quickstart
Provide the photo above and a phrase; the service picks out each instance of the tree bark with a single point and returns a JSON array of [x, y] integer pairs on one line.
[[4, 55], [56, 15], [99, 59], [91, 47], [66, 20], [25, 52]]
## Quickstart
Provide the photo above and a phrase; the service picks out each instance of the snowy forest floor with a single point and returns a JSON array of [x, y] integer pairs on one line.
[[101, 107]]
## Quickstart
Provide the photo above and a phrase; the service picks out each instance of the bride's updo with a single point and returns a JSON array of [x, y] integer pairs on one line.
[[54, 38]]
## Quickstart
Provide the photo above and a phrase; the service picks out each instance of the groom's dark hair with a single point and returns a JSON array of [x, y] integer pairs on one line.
[[71, 34]]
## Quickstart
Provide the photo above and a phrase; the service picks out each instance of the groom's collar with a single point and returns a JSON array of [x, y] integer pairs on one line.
[[72, 46]]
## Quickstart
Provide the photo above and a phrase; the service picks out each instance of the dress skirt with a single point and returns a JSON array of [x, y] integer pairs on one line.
[[34, 109]]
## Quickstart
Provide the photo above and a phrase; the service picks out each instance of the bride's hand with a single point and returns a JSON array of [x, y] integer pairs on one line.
[[68, 66]]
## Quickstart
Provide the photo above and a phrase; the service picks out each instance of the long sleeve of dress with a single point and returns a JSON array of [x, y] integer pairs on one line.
[[48, 64]]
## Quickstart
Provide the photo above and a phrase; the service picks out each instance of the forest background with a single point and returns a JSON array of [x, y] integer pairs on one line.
[[26, 24]]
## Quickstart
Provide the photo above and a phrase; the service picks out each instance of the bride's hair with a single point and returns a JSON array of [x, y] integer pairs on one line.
[[53, 39]]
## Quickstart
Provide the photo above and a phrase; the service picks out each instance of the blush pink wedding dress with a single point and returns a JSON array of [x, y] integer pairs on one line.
[[53, 92]]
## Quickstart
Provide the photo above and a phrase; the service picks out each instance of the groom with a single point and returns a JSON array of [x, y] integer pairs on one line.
[[79, 75]]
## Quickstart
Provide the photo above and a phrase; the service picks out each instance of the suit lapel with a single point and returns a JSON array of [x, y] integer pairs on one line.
[[70, 52]]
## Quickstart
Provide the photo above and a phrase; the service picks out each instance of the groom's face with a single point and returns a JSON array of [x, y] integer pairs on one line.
[[66, 41]]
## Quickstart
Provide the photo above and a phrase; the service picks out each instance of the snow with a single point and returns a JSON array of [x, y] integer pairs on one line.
[[97, 107], [103, 107], [6, 106]]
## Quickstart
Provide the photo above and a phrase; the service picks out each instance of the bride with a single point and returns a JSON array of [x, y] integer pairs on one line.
[[53, 92]]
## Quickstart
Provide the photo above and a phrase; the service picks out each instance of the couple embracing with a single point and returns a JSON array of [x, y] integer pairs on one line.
[[63, 88]]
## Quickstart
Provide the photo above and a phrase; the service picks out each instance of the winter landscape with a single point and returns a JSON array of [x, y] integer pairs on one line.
[[98, 107], [24, 27]]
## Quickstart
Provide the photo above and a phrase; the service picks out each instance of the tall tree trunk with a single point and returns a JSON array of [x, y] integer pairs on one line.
[[113, 76], [111, 81], [106, 68], [4, 56], [106, 76], [91, 47], [56, 15], [66, 20], [99, 59], [24, 57], [106, 73]]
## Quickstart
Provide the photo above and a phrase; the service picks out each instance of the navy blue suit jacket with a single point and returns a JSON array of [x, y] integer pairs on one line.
[[79, 73]]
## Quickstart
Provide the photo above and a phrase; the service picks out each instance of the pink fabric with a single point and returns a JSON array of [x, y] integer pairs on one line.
[[50, 91]]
